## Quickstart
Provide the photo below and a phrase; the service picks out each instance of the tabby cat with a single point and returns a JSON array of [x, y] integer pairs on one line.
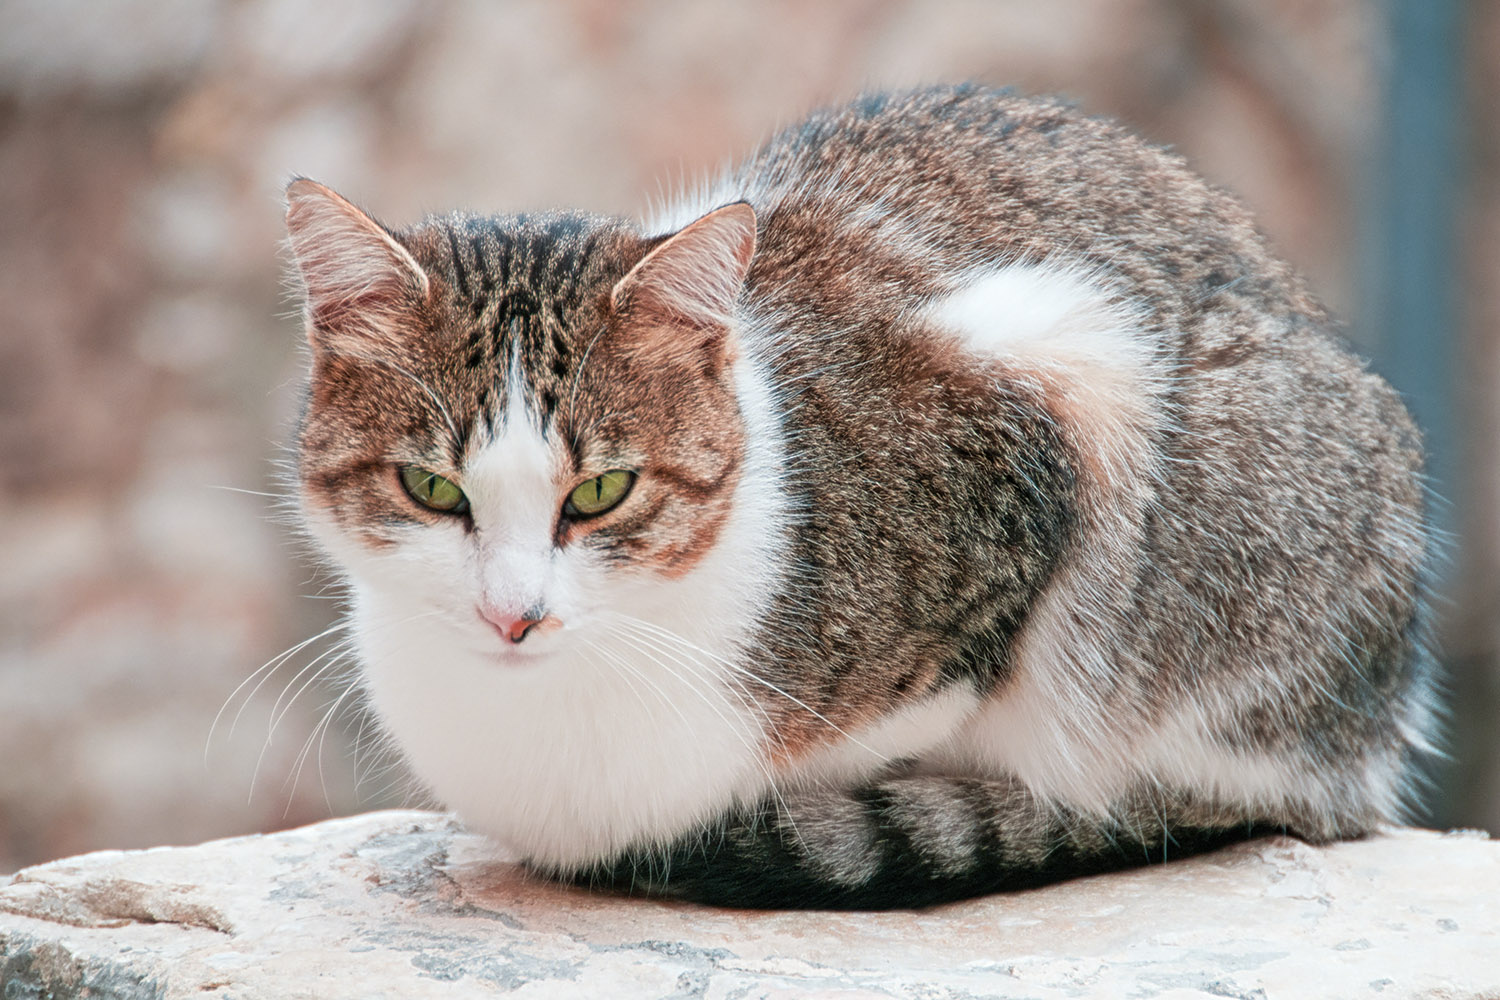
[[957, 496]]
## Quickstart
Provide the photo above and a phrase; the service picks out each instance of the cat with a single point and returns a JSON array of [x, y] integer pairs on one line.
[[957, 496]]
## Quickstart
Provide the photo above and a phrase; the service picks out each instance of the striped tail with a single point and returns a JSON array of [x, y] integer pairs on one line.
[[906, 842]]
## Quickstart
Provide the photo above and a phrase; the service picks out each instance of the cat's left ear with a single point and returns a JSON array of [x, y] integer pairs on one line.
[[361, 284], [682, 294]]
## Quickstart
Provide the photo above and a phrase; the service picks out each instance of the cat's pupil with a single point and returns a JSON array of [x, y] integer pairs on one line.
[[600, 494], [433, 491]]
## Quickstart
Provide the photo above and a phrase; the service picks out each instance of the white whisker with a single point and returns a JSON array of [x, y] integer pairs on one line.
[[271, 665], [671, 636], [622, 663], [322, 665], [319, 734], [251, 493], [755, 754]]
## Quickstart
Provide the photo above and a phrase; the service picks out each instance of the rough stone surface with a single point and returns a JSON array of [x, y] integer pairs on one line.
[[406, 905]]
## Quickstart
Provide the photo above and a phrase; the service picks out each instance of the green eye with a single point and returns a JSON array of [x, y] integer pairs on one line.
[[599, 494], [433, 491]]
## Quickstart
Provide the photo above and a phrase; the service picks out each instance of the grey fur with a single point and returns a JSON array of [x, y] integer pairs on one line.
[[1256, 570], [1272, 574]]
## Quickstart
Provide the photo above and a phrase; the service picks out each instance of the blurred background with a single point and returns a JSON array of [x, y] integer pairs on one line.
[[149, 359]]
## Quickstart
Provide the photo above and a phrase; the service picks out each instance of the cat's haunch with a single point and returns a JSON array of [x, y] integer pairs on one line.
[[958, 495]]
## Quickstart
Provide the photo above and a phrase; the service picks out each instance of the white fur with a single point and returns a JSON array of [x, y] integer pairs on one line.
[[578, 742], [1182, 753], [908, 732], [1050, 313], [512, 487], [694, 204]]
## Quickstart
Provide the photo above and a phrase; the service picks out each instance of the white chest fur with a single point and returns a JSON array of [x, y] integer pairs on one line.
[[569, 758], [635, 722]]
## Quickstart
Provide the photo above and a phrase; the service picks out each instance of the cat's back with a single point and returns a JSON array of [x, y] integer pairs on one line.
[[1248, 509], [914, 192], [884, 212]]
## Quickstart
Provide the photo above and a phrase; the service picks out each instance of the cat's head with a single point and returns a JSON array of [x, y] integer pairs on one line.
[[515, 426]]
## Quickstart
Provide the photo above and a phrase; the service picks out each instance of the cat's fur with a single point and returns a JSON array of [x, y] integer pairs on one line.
[[1005, 510]]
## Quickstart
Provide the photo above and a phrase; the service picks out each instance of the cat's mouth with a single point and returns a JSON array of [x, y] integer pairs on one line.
[[514, 659]]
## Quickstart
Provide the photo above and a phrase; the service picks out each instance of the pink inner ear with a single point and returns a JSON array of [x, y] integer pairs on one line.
[[355, 273], [695, 276]]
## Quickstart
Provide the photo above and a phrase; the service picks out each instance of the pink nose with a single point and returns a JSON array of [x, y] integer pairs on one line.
[[515, 628]]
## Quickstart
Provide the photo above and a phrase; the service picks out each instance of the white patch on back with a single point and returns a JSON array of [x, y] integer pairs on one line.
[[1052, 313], [1061, 325]]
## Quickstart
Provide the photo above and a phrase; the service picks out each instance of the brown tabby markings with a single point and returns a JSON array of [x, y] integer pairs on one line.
[[686, 432], [1188, 600], [369, 413], [1063, 182]]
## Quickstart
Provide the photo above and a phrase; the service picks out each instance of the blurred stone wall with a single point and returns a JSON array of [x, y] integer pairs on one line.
[[149, 361]]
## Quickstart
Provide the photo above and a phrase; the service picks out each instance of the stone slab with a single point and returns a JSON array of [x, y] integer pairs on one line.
[[404, 904]]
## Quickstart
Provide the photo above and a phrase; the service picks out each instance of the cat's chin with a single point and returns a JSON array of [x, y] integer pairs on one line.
[[522, 659]]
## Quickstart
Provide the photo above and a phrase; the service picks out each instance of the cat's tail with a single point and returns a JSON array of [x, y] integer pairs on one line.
[[907, 842]]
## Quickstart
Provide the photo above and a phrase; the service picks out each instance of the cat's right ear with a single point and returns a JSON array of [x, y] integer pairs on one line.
[[361, 284], [680, 297]]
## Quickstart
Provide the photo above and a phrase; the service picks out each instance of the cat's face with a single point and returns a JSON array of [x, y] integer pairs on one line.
[[516, 429]]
